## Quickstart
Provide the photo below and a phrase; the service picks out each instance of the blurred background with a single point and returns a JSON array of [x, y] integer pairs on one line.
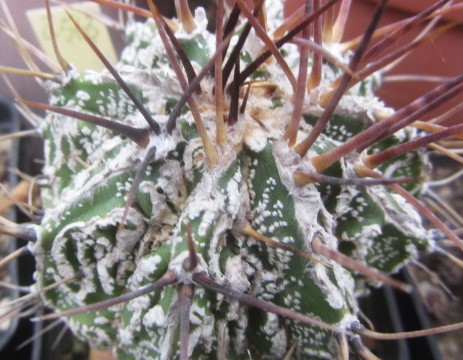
[[440, 58]]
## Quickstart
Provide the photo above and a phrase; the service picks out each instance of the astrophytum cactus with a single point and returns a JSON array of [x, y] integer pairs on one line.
[[229, 194]]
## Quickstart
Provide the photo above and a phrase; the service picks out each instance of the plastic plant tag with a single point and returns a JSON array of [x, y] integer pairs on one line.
[[70, 43]]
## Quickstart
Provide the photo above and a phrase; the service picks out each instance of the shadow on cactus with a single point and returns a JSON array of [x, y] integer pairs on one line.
[[231, 194]]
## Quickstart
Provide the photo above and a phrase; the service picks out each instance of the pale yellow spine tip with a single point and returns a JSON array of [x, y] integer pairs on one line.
[[184, 15]]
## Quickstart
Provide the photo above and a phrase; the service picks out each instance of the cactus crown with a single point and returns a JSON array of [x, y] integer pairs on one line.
[[207, 171]]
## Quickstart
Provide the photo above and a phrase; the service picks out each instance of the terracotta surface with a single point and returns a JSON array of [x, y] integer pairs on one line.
[[442, 57], [414, 6]]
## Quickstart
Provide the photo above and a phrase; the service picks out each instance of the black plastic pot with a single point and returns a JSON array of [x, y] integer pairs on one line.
[[24, 155], [393, 311], [9, 123]]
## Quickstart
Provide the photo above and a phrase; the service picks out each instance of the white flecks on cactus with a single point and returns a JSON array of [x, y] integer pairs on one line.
[[93, 171]]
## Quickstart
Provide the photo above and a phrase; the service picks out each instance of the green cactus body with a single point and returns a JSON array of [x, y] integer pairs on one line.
[[91, 171]]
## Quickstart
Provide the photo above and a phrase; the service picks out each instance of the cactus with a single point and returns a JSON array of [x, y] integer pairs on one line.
[[212, 217]]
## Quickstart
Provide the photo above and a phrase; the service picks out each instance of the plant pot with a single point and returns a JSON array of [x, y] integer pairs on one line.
[[20, 271], [441, 57], [393, 311], [9, 123]]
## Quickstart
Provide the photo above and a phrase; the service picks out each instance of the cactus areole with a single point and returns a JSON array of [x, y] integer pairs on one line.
[[88, 230]]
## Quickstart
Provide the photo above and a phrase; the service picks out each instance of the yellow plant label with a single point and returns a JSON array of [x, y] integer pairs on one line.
[[71, 44]]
